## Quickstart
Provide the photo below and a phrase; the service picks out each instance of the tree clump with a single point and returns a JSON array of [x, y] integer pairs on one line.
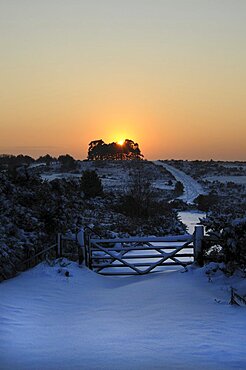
[[99, 150]]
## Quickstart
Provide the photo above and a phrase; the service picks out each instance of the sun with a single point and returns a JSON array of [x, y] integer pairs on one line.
[[120, 142]]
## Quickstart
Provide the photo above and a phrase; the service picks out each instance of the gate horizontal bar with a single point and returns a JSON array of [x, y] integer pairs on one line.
[[141, 256], [182, 263], [139, 248], [176, 238]]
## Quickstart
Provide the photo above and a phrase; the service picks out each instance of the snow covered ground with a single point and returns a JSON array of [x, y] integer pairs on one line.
[[160, 184], [35, 165], [191, 187], [191, 219], [225, 179], [114, 175], [62, 175], [166, 320]]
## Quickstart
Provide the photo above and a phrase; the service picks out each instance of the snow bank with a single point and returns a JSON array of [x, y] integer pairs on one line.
[[170, 320]]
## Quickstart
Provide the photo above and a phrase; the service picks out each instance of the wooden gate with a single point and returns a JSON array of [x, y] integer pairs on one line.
[[142, 255], [128, 256]]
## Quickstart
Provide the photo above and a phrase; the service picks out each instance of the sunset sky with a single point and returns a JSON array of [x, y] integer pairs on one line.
[[168, 74]]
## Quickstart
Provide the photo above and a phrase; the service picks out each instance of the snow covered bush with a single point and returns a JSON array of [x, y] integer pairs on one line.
[[229, 239], [32, 211]]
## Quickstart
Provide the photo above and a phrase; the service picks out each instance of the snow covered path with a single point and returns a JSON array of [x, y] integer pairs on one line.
[[191, 187], [158, 321]]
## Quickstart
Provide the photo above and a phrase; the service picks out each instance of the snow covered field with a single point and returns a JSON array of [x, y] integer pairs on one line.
[[160, 184], [64, 175], [166, 320], [191, 187], [225, 179], [111, 177]]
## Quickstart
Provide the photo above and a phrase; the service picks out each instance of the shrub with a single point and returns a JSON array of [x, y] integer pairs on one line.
[[206, 202], [91, 184], [68, 163], [230, 240], [179, 188], [138, 200]]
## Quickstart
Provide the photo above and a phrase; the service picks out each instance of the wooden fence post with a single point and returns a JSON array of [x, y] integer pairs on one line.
[[89, 254], [198, 240], [80, 237], [59, 246], [87, 249]]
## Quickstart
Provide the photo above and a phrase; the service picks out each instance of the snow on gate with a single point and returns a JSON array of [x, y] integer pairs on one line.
[[141, 255], [126, 256]]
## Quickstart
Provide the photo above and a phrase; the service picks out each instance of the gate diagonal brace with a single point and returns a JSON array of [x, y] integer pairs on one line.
[[165, 256], [113, 260], [175, 259], [125, 251], [118, 258]]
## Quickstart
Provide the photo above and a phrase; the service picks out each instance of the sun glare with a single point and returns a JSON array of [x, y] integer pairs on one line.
[[120, 142]]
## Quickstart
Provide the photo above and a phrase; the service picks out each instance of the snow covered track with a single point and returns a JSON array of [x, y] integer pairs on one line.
[[191, 187], [87, 321]]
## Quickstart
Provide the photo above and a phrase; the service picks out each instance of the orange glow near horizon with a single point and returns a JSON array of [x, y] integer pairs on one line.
[[170, 76]]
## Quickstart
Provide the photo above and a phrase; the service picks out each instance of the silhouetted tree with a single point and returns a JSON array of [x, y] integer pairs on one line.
[[95, 150], [98, 150]]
